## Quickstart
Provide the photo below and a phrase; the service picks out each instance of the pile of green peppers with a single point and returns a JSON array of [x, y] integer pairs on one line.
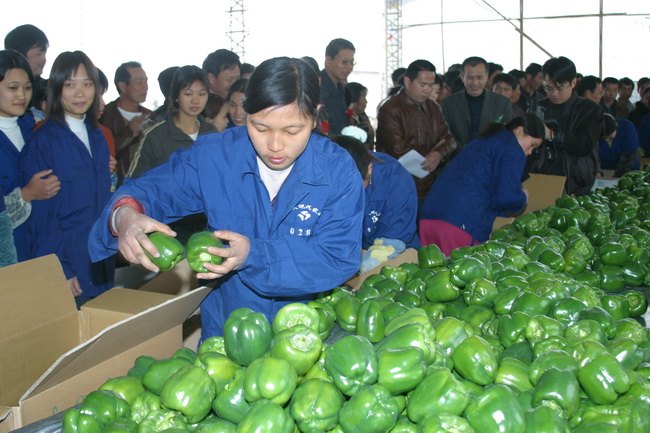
[[535, 330]]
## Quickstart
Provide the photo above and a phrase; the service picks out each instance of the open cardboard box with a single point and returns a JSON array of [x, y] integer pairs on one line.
[[543, 190], [409, 255], [49, 358]]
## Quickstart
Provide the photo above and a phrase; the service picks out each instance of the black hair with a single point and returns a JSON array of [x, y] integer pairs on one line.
[[336, 45], [610, 80], [353, 92], [451, 75], [311, 62], [183, 78], [590, 82], [65, 67], [507, 79], [122, 74], [646, 90], [213, 106], [103, 81], [626, 81], [533, 126], [416, 67], [11, 59], [457, 85], [238, 86], [473, 62], [397, 74], [609, 125], [165, 80], [219, 61], [641, 82], [246, 68], [493, 67], [24, 38], [439, 80], [357, 151], [282, 81], [533, 69], [518, 73], [559, 70]]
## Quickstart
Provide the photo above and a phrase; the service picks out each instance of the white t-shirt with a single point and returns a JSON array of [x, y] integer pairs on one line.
[[9, 125], [128, 115], [78, 126], [273, 179]]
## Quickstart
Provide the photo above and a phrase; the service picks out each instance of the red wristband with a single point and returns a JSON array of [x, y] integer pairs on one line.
[[124, 201]]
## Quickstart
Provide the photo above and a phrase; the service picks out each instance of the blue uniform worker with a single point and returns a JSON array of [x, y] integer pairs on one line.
[[10, 179], [391, 203], [479, 184], [308, 240], [625, 141], [61, 225]]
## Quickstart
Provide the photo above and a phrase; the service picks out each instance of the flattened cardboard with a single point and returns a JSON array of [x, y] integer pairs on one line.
[[409, 255], [543, 190]]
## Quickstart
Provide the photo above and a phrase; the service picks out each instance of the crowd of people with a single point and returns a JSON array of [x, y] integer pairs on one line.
[[283, 162]]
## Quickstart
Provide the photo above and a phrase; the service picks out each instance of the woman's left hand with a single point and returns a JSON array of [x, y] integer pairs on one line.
[[234, 256]]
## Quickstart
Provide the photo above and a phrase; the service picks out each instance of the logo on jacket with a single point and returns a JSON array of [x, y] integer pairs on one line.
[[304, 215], [306, 211], [374, 216]]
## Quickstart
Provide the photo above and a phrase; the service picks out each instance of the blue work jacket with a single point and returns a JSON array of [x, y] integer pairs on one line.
[[391, 203], [9, 157], [61, 224], [626, 140], [482, 182], [306, 242]]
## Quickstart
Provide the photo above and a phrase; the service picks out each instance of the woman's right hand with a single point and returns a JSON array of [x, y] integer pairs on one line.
[[41, 186], [133, 227]]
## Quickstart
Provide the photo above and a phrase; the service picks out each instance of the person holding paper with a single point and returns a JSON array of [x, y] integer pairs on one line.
[[482, 182], [409, 121]]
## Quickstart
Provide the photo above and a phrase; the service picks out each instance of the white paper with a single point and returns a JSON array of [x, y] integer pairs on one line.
[[411, 161]]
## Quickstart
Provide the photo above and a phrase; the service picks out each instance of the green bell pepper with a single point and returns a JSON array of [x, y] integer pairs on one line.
[[295, 313], [601, 316], [637, 301], [514, 373], [567, 310], [438, 392], [143, 404], [475, 360], [326, 318], [439, 288], [554, 358], [559, 390], [170, 251], [265, 416], [603, 379], [140, 366], [410, 316], [542, 327], [351, 362], [482, 319], [391, 311], [190, 391], [410, 298], [634, 273], [299, 345], [400, 370], [411, 335], [588, 295], [162, 419], [445, 423], [466, 269], [551, 343], [371, 409], [126, 387], [219, 367], [105, 406], [270, 378], [370, 322], [611, 278], [75, 421], [497, 409], [430, 256], [394, 273], [531, 304], [505, 299], [121, 425], [630, 328], [197, 250], [315, 406], [587, 351], [543, 419], [613, 253], [212, 344], [627, 352], [367, 292], [616, 305], [520, 351], [346, 313], [231, 404], [215, 425], [451, 332], [480, 291], [247, 335]]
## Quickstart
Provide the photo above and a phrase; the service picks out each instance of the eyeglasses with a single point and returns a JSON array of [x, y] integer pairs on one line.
[[558, 89], [346, 62]]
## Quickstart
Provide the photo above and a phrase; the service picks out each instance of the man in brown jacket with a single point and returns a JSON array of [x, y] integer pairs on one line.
[[410, 121]]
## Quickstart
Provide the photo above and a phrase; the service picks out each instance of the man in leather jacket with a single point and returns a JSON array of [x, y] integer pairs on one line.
[[409, 120]]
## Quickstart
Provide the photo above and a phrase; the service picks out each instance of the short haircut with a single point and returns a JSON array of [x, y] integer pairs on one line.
[[397, 74], [507, 79], [610, 80], [213, 106], [353, 92], [282, 81], [533, 69], [165, 80], [626, 81], [609, 125], [559, 69], [337, 45], [246, 68], [24, 38], [588, 83], [518, 73], [357, 151], [238, 86], [219, 61], [533, 126], [473, 61], [642, 82], [122, 74], [417, 66], [183, 78], [65, 67], [493, 67]]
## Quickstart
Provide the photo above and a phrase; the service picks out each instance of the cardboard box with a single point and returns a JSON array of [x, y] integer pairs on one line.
[[409, 255], [543, 190], [49, 360]]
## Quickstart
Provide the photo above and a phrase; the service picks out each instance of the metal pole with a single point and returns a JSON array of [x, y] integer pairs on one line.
[[521, 34], [600, 41]]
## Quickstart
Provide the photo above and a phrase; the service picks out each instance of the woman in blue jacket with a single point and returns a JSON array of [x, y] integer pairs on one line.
[[16, 89], [482, 182], [70, 143], [288, 202]]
